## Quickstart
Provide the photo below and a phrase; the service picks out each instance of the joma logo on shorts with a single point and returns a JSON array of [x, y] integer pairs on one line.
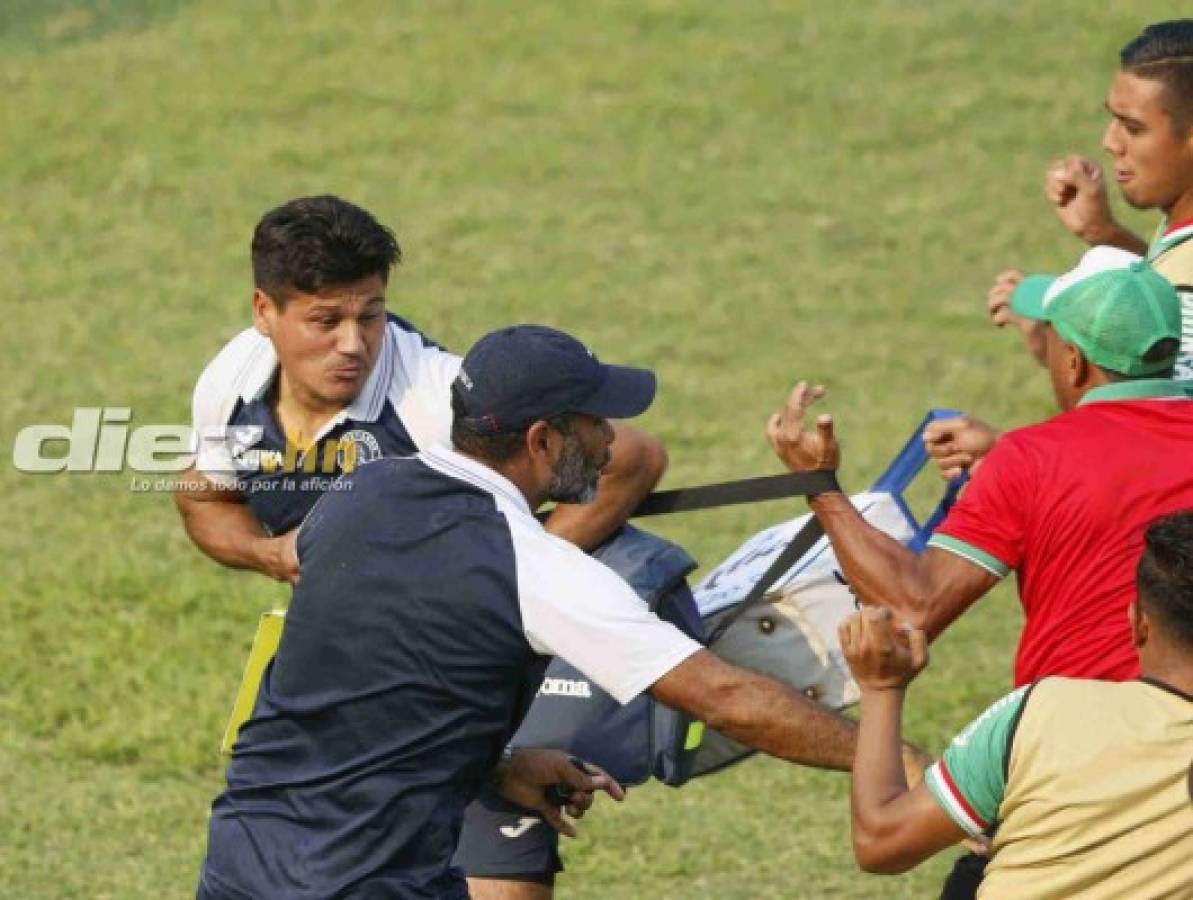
[[565, 687]]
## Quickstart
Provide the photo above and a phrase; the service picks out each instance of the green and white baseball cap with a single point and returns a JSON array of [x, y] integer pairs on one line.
[[1113, 306]]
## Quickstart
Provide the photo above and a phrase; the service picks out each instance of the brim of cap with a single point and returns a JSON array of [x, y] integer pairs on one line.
[[1027, 300], [625, 392]]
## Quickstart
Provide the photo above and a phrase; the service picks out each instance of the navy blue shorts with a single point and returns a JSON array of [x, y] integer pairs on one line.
[[501, 840]]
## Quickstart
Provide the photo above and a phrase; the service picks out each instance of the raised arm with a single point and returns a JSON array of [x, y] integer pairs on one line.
[[928, 591], [1076, 189], [893, 828], [957, 445], [998, 306]]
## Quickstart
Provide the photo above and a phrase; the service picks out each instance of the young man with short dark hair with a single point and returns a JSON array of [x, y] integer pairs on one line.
[[326, 380], [1150, 141]]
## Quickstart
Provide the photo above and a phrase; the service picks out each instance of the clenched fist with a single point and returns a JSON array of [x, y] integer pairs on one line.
[[1077, 191], [882, 656]]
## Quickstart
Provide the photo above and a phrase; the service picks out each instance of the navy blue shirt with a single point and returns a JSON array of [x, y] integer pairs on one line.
[[427, 590]]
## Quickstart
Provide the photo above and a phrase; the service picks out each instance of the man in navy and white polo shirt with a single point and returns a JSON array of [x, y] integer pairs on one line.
[[428, 586], [326, 380]]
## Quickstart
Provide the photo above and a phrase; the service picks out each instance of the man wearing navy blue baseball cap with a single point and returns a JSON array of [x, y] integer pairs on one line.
[[533, 372], [428, 589]]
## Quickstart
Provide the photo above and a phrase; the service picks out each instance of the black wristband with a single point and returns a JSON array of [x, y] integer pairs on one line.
[[828, 484]]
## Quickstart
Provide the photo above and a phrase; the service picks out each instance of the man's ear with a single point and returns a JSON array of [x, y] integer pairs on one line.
[[541, 441], [1139, 624], [1077, 367], [265, 311]]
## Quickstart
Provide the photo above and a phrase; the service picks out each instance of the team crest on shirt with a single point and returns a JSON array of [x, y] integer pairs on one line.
[[357, 447]]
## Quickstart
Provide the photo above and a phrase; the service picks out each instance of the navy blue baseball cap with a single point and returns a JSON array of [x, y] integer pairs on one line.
[[518, 375]]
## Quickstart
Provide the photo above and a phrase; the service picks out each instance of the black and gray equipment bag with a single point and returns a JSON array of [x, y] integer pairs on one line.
[[772, 606]]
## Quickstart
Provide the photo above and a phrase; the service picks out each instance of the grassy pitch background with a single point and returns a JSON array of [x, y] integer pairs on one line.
[[737, 194]]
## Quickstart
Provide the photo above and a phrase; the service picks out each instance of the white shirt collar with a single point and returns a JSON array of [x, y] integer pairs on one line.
[[443, 459]]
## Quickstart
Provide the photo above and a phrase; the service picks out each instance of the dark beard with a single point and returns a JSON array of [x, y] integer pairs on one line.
[[575, 478]]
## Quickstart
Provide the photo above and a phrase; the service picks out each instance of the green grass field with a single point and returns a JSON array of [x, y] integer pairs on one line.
[[738, 195]]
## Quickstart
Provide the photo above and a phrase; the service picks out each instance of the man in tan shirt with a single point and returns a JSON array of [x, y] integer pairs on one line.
[[1084, 786]]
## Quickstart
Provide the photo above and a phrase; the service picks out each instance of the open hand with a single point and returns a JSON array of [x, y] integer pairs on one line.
[[881, 656], [799, 449]]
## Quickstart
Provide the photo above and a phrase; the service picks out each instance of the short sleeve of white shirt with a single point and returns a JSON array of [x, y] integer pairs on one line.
[[420, 392], [245, 360], [577, 608]]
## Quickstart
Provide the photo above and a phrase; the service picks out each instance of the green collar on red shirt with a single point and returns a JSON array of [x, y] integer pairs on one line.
[[1135, 389]]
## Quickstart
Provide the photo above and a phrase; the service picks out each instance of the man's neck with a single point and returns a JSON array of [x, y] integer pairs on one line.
[[300, 413], [1096, 380], [1169, 664], [515, 472], [1181, 210]]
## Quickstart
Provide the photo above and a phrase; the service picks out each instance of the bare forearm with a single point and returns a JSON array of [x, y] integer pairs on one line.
[[229, 533], [779, 721], [887, 822], [878, 775], [758, 711], [879, 569], [1115, 235]]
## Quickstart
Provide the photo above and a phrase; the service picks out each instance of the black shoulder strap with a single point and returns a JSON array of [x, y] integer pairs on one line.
[[749, 490], [729, 493], [805, 539]]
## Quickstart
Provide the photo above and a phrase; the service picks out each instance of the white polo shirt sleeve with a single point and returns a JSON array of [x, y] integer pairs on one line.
[[421, 388], [243, 366], [579, 609]]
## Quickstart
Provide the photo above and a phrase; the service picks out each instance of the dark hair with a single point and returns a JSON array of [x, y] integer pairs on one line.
[[315, 242], [1165, 348], [1164, 53], [494, 448], [1165, 575]]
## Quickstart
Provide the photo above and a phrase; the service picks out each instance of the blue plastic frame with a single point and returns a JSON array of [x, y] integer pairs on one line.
[[906, 466]]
